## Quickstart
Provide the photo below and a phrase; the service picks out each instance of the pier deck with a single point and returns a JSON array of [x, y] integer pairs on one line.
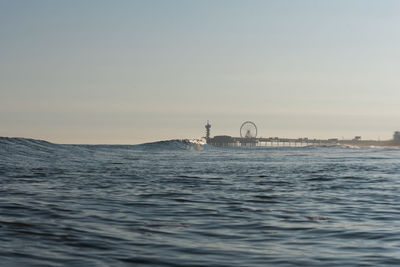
[[276, 141]]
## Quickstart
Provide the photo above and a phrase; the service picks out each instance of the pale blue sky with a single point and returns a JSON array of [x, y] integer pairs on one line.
[[136, 71]]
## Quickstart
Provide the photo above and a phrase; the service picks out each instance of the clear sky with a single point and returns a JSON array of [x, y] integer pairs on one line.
[[136, 71]]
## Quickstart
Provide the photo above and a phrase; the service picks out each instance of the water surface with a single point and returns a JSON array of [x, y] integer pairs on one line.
[[170, 204]]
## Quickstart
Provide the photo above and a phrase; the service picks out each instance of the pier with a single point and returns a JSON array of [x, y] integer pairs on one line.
[[248, 138]]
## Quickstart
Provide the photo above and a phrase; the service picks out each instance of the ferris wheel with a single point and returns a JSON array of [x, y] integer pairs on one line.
[[248, 130]]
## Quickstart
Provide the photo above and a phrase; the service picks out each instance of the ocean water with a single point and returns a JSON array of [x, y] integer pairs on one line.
[[175, 203]]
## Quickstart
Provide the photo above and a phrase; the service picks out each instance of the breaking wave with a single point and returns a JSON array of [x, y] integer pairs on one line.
[[39, 148], [184, 144]]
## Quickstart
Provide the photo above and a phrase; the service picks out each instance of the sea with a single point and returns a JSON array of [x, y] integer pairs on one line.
[[184, 203]]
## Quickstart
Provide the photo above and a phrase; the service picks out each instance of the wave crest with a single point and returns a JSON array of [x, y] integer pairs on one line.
[[182, 144]]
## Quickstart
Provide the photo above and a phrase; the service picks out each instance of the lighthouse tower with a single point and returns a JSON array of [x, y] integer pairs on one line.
[[208, 126]]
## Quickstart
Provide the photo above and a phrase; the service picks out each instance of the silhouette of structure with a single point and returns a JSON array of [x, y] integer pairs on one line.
[[208, 126], [248, 137], [248, 130], [396, 137]]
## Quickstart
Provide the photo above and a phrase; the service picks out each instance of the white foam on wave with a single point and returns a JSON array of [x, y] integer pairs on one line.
[[185, 144], [197, 144]]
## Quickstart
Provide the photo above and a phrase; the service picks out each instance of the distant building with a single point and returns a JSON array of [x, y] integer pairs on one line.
[[223, 139], [396, 137], [357, 138]]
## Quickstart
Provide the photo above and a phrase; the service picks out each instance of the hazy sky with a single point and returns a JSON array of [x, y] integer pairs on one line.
[[137, 71]]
